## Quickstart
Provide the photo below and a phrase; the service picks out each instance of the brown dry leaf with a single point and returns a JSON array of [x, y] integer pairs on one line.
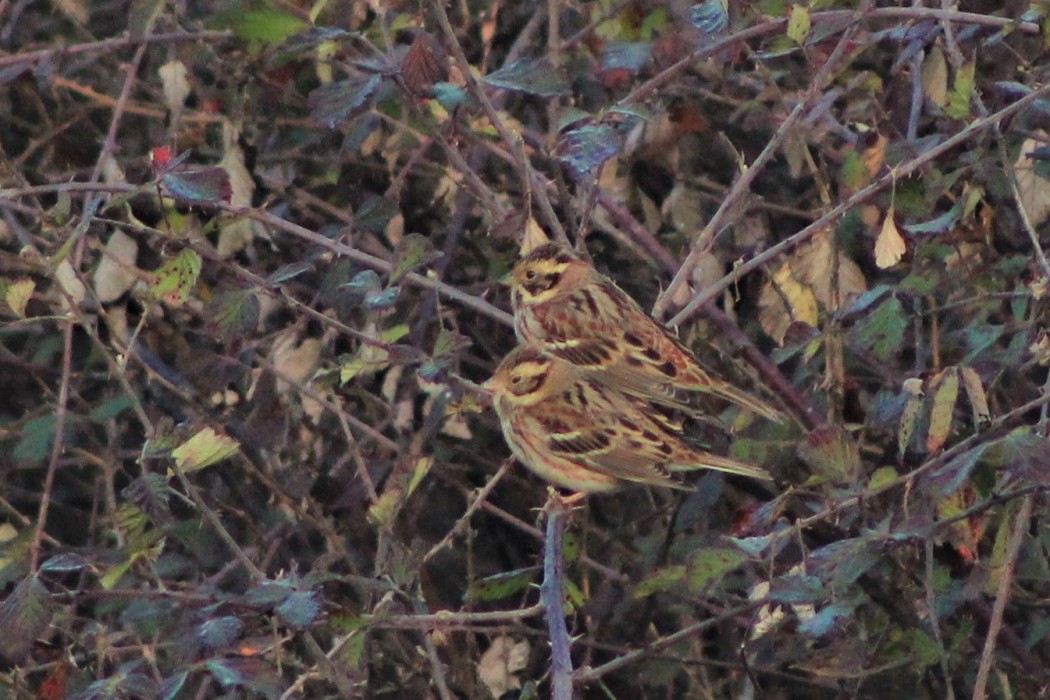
[[935, 76], [890, 246], [534, 236], [500, 662], [174, 78], [115, 273], [67, 279], [295, 360], [1034, 189], [874, 154], [813, 265]]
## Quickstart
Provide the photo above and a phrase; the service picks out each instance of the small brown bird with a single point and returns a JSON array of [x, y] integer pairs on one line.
[[580, 433], [572, 311]]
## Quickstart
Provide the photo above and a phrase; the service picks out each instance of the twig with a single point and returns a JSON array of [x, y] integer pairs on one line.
[[704, 296], [552, 593], [1002, 596]]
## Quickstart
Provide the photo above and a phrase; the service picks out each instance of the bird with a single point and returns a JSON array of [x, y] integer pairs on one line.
[[572, 311], [582, 434]]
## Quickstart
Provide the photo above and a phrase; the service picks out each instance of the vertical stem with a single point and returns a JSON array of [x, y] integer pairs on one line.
[[552, 593]]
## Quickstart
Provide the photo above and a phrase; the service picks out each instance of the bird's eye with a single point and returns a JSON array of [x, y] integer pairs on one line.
[[516, 379], [530, 275]]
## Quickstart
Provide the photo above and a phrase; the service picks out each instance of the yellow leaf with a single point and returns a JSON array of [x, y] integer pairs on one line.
[[783, 300], [798, 23], [975, 394], [890, 245], [18, 294], [944, 397], [204, 449], [935, 76]]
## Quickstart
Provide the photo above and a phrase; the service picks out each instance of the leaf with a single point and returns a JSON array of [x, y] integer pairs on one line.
[[532, 76], [17, 295], [711, 563], [174, 79], [958, 106], [142, 15], [883, 330], [202, 186], [890, 246], [976, 396], [205, 448], [34, 439], [910, 415], [248, 672], [115, 273], [412, 252], [797, 588], [935, 76], [798, 24], [175, 280], [660, 580], [829, 619], [1033, 187], [946, 390], [267, 26], [235, 313], [335, 104], [64, 563], [501, 586], [220, 632], [24, 615], [831, 453], [709, 16], [586, 149], [300, 609]]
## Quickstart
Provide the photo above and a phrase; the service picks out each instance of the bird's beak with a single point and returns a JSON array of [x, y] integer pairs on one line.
[[489, 385], [507, 279]]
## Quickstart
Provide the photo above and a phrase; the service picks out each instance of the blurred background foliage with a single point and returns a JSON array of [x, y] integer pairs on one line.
[[248, 255]]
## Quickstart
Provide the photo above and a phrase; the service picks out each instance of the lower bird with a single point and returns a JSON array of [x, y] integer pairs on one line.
[[577, 432]]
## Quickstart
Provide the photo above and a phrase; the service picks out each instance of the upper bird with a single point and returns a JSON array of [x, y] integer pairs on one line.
[[572, 311], [577, 432]]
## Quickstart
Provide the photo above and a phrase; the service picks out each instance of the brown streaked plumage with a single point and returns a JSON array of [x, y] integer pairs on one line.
[[572, 311], [577, 432]]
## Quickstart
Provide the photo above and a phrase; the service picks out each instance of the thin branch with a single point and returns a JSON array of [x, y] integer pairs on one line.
[[552, 593], [1002, 596]]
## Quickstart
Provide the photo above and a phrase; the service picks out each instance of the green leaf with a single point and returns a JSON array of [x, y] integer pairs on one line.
[[24, 615], [235, 313], [35, 438], [501, 586], [831, 453], [958, 106], [205, 448], [335, 104], [797, 588], [532, 76], [220, 631], [300, 609], [883, 331], [660, 580], [267, 26], [709, 564], [412, 252], [177, 277]]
